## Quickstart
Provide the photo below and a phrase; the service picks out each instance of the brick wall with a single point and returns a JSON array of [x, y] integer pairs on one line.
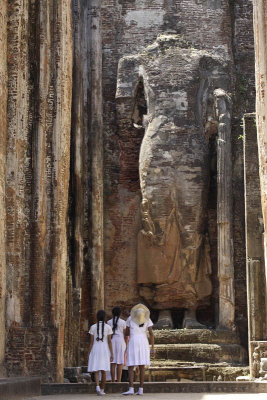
[[31, 351]]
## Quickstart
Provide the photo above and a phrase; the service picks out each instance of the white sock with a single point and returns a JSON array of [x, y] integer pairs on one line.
[[102, 390], [98, 388], [130, 391], [140, 390]]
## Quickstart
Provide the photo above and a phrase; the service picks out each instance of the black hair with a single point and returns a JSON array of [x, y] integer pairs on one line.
[[100, 318], [116, 312]]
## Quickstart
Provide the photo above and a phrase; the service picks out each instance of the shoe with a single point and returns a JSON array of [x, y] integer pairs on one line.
[[130, 392], [99, 393], [140, 392]]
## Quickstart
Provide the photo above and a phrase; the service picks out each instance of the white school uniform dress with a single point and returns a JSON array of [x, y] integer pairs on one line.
[[99, 357], [118, 342], [138, 352]]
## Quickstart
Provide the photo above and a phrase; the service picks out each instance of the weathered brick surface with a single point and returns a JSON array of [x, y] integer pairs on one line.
[[31, 351], [37, 180], [258, 349], [3, 124], [80, 208], [256, 280], [260, 13], [243, 49], [49, 171]]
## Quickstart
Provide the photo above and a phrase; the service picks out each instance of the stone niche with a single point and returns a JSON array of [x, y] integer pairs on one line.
[[180, 97]]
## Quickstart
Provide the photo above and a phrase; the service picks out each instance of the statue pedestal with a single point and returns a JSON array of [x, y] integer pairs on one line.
[[197, 355]]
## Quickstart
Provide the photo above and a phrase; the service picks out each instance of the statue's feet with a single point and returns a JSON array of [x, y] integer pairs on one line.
[[164, 320], [190, 321]]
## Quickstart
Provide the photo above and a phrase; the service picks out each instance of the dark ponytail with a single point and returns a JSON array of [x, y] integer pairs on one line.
[[100, 318], [116, 312]]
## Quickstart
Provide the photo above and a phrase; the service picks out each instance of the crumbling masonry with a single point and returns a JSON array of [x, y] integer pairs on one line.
[[82, 210]]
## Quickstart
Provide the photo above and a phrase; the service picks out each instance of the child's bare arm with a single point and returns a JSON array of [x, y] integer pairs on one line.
[[110, 348], [152, 339], [91, 343]]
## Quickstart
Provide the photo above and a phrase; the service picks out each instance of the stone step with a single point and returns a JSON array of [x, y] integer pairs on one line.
[[163, 370], [18, 388], [197, 372], [183, 336], [209, 353], [160, 387]]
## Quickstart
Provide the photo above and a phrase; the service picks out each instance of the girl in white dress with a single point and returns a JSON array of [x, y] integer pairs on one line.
[[118, 326], [138, 353], [100, 350]]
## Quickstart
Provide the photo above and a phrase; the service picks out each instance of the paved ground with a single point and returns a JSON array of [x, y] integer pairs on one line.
[[164, 396]]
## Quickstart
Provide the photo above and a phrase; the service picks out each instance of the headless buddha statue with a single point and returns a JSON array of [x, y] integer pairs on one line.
[[173, 261]]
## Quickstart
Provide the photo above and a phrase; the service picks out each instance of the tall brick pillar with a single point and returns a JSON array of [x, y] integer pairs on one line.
[[3, 105], [97, 269], [37, 181], [256, 282], [260, 35]]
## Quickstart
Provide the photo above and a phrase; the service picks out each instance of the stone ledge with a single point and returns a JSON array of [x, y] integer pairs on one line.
[[185, 336], [161, 387], [203, 373], [201, 353], [17, 388]]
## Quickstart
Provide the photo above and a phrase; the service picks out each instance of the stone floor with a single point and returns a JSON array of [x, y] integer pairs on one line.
[[164, 396]]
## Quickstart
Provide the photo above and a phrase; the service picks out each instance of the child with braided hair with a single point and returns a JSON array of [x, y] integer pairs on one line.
[[100, 351], [118, 326]]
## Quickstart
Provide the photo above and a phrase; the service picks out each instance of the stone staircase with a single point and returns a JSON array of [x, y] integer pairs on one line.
[[197, 355], [157, 387], [188, 355]]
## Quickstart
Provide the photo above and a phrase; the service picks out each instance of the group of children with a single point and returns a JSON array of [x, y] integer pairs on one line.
[[108, 346]]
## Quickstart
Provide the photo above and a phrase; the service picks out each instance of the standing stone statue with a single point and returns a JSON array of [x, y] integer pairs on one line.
[[173, 260]]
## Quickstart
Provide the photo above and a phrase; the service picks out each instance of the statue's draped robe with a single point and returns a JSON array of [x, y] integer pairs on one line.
[[173, 261]]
